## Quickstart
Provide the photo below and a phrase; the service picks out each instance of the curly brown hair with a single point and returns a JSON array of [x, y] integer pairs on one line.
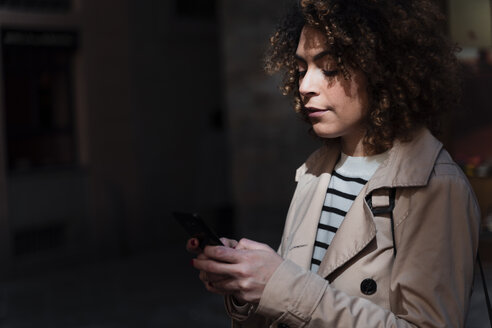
[[400, 45]]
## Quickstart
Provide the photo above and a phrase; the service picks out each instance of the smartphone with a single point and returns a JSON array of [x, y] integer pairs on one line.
[[197, 228]]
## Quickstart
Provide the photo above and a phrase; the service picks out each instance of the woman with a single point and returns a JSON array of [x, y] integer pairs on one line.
[[383, 227]]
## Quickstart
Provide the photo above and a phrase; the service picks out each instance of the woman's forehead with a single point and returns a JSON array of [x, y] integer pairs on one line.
[[312, 40]]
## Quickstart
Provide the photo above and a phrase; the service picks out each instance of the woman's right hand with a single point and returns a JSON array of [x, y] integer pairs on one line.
[[193, 247]]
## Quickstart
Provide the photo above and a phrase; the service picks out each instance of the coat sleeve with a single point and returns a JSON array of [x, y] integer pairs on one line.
[[430, 281]]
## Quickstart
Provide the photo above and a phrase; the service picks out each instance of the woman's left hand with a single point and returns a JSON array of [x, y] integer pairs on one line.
[[249, 266]]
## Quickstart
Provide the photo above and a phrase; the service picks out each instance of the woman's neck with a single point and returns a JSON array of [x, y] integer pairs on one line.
[[352, 145]]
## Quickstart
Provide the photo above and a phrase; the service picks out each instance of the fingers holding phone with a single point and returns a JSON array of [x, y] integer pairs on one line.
[[247, 269], [209, 279], [193, 246], [229, 242], [202, 237]]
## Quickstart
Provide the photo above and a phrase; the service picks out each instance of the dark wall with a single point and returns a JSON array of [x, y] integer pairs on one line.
[[173, 111], [267, 140], [178, 114]]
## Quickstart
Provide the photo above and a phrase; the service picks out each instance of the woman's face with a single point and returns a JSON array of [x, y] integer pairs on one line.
[[335, 106]]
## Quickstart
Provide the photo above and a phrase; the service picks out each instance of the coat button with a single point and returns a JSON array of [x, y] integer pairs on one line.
[[368, 286], [282, 325]]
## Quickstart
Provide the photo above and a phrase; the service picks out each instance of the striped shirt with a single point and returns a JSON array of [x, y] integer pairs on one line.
[[348, 178]]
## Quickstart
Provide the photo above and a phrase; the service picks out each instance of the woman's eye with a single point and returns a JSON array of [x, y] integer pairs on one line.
[[330, 73], [301, 73]]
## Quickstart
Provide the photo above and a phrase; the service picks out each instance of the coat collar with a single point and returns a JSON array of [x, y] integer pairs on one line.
[[409, 164]]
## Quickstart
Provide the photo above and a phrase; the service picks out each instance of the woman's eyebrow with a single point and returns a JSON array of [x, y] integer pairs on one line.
[[321, 55], [315, 58]]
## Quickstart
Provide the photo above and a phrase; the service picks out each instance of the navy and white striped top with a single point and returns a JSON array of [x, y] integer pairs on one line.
[[348, 178]]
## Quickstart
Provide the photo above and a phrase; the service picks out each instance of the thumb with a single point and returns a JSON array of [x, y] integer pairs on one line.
[[245, 243], [228, 242]]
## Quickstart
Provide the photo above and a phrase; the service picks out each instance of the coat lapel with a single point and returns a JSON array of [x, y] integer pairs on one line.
[[310, 193], [355, 232], [301, 247]]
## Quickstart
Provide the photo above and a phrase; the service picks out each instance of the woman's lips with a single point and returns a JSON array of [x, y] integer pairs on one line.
[[316, 112]]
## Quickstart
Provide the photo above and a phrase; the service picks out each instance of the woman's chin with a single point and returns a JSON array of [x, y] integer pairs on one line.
[[325, 134]]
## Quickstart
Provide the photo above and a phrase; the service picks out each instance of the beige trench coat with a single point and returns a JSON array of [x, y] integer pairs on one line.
[[427, 284]]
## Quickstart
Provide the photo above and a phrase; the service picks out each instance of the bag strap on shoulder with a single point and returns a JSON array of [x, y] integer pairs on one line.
[[385, 209]]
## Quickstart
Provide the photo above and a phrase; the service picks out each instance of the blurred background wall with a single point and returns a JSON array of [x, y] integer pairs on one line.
[[114, 113]]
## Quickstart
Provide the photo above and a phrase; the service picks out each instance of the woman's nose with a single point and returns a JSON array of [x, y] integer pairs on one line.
[[308, 85]]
